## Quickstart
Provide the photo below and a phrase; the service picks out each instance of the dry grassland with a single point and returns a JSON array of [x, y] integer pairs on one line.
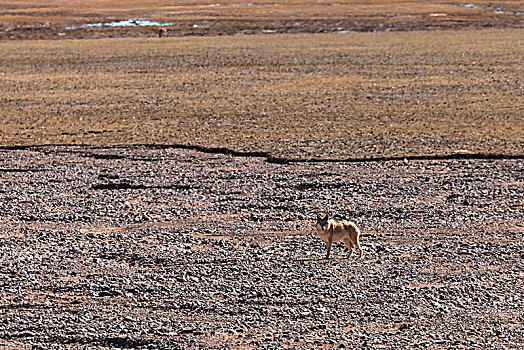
[[32, 19], [303, 96]]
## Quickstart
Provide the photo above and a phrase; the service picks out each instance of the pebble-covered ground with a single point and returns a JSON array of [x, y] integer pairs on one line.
[[139, 247]]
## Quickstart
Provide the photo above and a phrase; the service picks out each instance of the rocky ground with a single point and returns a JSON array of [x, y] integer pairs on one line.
[[137, 247]]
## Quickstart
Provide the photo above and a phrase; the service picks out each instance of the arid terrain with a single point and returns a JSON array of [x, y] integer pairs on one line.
[[161, 193], [32, 19], [154, 247], [302, 96]]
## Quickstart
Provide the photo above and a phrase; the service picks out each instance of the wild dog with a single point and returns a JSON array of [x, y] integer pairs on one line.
[[331, 231], [162, 32]]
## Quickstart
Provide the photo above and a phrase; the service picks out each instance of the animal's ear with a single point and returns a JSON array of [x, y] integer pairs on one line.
[[326, 217], [318, 217]]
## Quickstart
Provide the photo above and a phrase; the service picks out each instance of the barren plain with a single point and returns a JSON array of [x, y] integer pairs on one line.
[[158, 247], [54, 19], [303, 96], [162, 192]]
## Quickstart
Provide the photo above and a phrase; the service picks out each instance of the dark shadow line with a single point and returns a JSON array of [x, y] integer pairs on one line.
[[20, 170], [131, 186], [312, 259], [268, 157]]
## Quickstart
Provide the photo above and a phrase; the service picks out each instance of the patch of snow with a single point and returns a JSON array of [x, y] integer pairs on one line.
[[132, 22]]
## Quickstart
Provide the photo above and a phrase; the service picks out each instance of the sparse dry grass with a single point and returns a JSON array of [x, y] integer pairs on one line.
[[304, 96], [71, 10], [32, 19]]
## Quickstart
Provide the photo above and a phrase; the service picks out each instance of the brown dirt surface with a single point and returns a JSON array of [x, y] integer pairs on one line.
[[31, 19], [312, 96], [160, 247], [161, 193]]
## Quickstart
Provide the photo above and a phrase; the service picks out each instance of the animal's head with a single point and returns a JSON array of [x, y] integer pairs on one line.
[[322, 221]]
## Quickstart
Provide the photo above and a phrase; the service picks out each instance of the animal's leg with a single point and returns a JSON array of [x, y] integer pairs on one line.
[[349, 246], [329, 243], [357, 244]]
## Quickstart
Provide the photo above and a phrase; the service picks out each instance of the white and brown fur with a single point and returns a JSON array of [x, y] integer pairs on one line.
[[331, 231]]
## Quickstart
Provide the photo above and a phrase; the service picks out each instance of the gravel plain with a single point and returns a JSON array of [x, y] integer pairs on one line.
[[159, 247]]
